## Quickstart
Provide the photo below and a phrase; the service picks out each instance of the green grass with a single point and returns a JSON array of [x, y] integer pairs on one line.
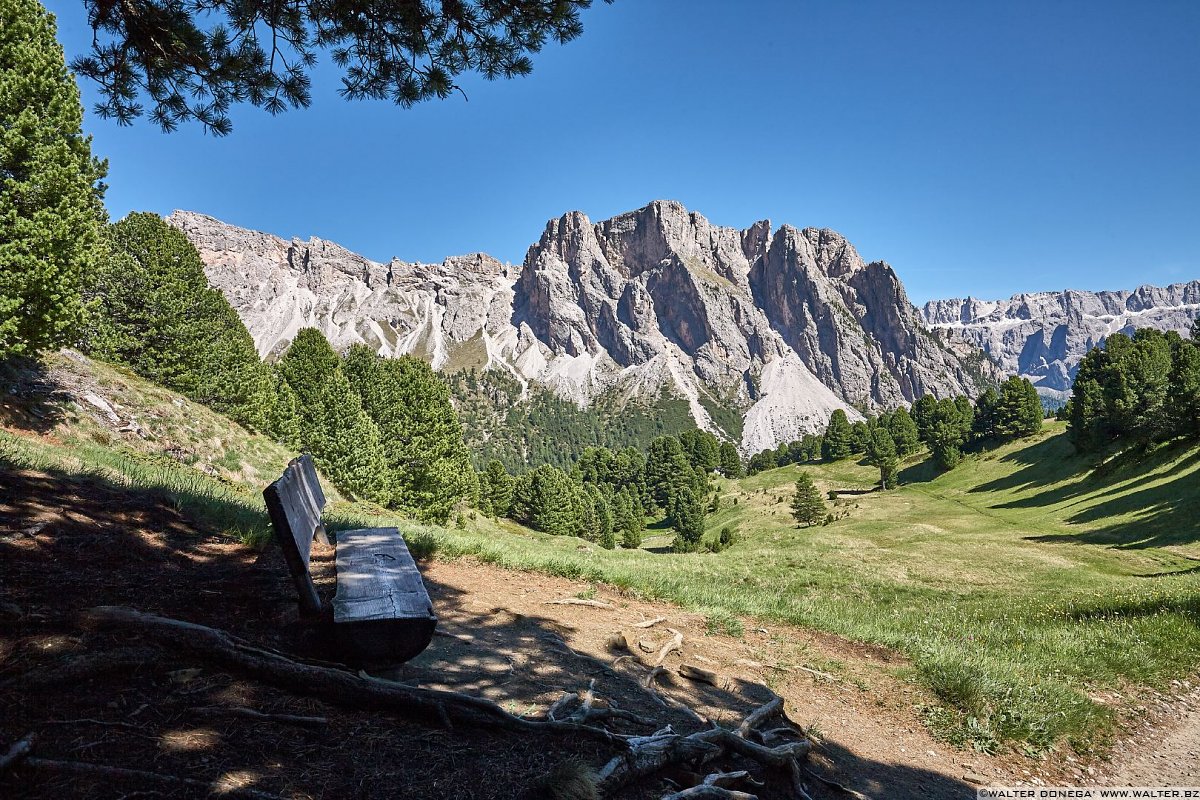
[[1017, 584]]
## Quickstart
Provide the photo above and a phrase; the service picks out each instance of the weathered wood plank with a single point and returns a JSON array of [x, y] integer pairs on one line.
[[377, 578]]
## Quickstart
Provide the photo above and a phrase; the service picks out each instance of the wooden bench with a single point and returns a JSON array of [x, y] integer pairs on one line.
[[381, 612]]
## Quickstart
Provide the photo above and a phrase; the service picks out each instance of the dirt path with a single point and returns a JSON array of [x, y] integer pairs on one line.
[[1167, 755]]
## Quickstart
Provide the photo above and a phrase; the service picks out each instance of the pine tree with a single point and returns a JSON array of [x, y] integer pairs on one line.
[[1018, 411], [497, 487], [946, 433], [807, 506], [701, 448], [50, 186], [904, 433], [345, 442], [422, 437], [836, 444], [668, 471], [627, 522], [860, 438], [546, 499], [881, 452], [987, 415], [1184, 386], [283, 423], [922, 414], [149, 307], [731, 461], [687, 518], [605, 535], [309, 360]]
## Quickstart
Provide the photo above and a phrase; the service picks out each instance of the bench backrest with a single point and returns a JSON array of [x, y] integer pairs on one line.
[[294, 503]]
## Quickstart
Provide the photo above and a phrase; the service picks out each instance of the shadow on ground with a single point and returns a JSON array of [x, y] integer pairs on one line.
[[69, 542]]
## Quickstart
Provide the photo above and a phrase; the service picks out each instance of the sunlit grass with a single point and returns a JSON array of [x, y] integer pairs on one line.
[[1017, 585]]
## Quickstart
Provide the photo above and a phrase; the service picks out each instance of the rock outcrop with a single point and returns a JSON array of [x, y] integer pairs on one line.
[[781, 328], [1044, 336]]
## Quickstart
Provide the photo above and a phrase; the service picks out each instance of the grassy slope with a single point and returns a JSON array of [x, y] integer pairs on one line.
[[1017, 583]]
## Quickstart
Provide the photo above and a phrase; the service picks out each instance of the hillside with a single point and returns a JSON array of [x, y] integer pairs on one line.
[[1022, 598]]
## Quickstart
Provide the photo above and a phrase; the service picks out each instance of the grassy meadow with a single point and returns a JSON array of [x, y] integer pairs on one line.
[[1017, 584]]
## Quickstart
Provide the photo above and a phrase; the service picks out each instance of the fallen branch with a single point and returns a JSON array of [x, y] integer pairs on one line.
[[676, 643], [728, 779], [250, 713], [173, 782], [336, 686], [579, 601], [817, 672], [558, 705], [649, 623], [649, 754]]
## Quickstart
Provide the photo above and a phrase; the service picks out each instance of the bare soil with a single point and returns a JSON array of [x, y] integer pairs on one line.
[[68, 543]]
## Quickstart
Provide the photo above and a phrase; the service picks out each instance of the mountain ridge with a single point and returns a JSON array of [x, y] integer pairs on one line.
[[1044, 335], [782, 325]]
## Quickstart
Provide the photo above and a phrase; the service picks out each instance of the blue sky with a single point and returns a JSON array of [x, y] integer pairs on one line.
[[980, 148]]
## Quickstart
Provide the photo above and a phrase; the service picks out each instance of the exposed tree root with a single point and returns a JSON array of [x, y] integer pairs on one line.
[[335, 686]]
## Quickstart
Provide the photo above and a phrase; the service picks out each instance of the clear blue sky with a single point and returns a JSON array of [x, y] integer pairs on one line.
[[980, 148]]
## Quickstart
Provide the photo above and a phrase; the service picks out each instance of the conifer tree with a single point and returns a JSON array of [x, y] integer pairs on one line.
[[1184, 386], [309, 360], [686, 516], [50, 185], [283, 422], [497, 486], [881, 452], [1018, 411], [667, 471], [345, 442], [731, 461], [836, 444], [807, 506], [604, 518], [922, 413], [422, 437], [149, 307], [546, 499], [946, 433], [626, 521], [860, 436], [701, 448], [904, 433], [987, 415]]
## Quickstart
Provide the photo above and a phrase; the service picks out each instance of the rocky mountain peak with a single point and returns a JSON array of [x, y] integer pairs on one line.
[[1044, 335], [775, 328]]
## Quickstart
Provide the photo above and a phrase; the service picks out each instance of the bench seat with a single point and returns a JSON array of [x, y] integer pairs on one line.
[[382, 614]]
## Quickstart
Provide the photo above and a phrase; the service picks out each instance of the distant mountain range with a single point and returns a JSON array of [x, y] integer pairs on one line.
[[1043, 336], [763, 332]]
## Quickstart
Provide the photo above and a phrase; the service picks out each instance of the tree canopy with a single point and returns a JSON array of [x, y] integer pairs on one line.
[[50, 185], [196, 59], [149, 306]]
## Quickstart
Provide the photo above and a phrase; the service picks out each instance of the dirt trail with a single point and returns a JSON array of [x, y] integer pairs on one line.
[[1168, 755]]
